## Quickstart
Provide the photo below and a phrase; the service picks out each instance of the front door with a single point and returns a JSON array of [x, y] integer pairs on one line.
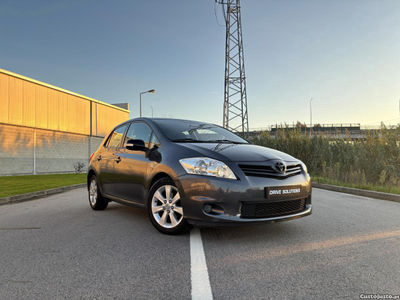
[[130, 169]]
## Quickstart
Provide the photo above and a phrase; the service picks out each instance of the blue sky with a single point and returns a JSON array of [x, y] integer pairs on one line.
[[345, 54]]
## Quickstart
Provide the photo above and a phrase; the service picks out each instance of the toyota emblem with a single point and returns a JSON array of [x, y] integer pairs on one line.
[[280, 167]]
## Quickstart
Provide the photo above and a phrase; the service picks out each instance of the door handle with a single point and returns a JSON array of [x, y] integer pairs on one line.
[[118, 159], [99, 158]]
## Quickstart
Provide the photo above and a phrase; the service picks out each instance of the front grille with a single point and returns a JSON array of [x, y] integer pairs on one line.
[[272, 209], [269, 172]]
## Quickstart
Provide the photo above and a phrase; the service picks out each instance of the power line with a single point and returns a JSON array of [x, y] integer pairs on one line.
[[215, 12], [223, 12], [382, 121]]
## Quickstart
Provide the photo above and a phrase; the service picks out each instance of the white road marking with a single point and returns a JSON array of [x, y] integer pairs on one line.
[[201, 288]]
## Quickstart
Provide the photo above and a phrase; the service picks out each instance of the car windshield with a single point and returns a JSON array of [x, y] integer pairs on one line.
[[197, 132]]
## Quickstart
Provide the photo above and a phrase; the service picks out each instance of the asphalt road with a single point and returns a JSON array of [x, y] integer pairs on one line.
[[59, 248]]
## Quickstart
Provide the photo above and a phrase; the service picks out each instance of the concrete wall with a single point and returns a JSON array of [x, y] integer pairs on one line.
[[25, 150], [16, 150]]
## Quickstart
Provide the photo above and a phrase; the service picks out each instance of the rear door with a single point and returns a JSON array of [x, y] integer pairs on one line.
[[107, 160], [130, 173]]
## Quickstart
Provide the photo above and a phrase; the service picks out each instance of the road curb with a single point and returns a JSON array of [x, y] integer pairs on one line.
[[358, 192], [39, 194]]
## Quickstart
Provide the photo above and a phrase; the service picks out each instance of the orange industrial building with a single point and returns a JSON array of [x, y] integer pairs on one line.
[[46, 129]]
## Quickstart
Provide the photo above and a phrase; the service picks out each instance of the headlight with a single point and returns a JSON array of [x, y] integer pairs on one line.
[[308, 177], [207, 166], [304, 167]]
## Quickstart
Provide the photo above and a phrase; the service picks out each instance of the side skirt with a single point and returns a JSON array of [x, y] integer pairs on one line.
[[126, 202]]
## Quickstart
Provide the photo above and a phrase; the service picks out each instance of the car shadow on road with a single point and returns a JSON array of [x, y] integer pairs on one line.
[[127, 211], [251, 232]]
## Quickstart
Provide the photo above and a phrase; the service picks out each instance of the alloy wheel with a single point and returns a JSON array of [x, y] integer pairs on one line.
[[93, 192], [166, 206]]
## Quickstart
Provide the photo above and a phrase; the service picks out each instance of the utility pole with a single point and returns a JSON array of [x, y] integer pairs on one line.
[[235, 115]]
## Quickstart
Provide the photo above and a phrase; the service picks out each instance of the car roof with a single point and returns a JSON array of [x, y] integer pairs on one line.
[[165, 119]]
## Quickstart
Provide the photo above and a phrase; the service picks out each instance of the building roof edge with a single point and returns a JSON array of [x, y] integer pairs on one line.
[[60, 89]]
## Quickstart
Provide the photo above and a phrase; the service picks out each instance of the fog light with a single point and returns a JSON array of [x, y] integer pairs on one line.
[[208, 208]]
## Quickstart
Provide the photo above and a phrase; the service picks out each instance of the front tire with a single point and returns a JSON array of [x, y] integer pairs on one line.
[[165, 208], [96, 199]]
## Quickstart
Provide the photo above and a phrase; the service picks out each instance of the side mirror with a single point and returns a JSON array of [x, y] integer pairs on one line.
[[135, 145]]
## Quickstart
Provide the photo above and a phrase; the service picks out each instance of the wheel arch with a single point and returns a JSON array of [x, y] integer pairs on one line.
[[90, 174], [157, 177]]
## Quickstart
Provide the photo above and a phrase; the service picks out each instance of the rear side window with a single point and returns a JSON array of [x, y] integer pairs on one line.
[[138, 131], [116, 136]]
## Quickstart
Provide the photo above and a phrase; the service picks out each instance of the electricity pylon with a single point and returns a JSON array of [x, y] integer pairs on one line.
[[235, 96]]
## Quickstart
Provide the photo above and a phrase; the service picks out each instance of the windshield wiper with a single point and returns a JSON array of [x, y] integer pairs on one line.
[[225, 141], [188, 140]]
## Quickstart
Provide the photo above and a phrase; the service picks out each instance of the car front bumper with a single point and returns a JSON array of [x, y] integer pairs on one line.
[[227, 197]]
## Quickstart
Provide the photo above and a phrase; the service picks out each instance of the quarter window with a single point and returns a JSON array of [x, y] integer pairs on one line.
[[138, 131], [154, 142]]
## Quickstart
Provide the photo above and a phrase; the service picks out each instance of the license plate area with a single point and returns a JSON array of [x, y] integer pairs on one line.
[[282, 192]]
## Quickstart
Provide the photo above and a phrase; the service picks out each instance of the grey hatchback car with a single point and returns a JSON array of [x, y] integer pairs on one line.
[[187, 172]]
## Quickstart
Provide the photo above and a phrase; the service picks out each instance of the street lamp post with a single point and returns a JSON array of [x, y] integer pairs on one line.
[[149, 91], [310, 116], [151, 111]]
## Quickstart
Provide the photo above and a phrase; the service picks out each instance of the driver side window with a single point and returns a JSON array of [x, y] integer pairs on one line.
[[138, 131]]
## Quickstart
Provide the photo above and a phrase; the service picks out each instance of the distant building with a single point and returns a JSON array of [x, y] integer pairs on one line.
[[46, 129]]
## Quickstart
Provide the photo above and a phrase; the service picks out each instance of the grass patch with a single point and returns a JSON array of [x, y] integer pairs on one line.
[[370, 187], [16, 185]]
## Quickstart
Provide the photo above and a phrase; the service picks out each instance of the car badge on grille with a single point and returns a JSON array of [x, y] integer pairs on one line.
[[280, 167]]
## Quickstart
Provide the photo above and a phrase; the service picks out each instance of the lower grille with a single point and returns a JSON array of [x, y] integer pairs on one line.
[[272, 209]]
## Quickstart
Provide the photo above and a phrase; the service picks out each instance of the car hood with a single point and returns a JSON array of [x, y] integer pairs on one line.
[[238, 152]]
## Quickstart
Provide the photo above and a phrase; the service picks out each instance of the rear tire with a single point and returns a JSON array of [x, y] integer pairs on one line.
[[96, 199], [165, 208]]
